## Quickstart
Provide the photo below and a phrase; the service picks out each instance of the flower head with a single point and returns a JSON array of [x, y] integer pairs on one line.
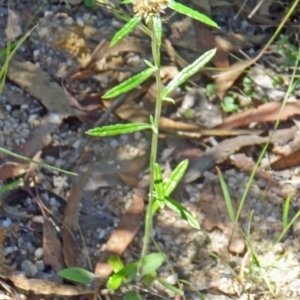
[[149, 8]]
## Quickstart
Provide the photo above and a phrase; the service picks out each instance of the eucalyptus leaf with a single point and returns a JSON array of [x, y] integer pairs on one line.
[[151, 263], [171, 183], [78, 275], [125, 30], [129, 84], [182, 9], [188, 71], [118, 129], [182, 212]]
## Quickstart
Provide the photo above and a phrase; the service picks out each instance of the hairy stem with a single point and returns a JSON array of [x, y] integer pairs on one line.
[[155, 46]]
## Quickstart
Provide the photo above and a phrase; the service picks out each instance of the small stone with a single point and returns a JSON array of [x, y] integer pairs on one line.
[[68, 21], [38, 253], [172, 279], [40, 265], [29, 268], [80, 22]]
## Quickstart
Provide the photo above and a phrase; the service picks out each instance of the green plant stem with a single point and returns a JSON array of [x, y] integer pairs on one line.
[[155, 45]]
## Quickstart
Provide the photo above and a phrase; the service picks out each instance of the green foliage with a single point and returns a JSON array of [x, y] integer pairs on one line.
[[288, 51], [129, 84], [89, 3], [160, 190], [182, 9], [229, 105], [77, 275], [10, 186], [124, 31], [118, 129], [188, 71]]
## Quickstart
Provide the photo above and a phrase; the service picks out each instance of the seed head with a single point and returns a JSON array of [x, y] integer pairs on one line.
[[149, 8]]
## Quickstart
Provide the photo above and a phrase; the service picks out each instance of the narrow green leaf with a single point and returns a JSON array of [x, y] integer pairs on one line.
[[182, 212], [116, 279], [158, 183], [126, 2], [10, 186], [125, 30], [157, 25], [118, 129], [170, 287], [187, 72], [151, 263], [149, 63], [171, 183], [155, 206], [286, 210], [129, 84], [226, 196], [168, 99], [132, 296], [148, 279], [182, 9], [116, 263], [36, 162], [78, 275]]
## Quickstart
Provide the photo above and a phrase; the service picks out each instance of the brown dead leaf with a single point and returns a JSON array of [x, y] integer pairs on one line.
[[39, 138], [38, 84], [53, 254], [104, 50], [221, 151], [71, 245], [267, 112], [122, 236], [206, 40], [212, 203], [289, 161], [227, 78]]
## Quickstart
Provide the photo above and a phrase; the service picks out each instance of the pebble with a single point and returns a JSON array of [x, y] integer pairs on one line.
[[29, 268], [38, 253], [7, 222], [40, 265]]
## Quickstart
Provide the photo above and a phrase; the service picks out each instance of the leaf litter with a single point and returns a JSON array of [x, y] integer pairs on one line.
[[107, 174]]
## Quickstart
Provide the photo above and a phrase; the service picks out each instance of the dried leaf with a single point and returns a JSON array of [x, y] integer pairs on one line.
[[122, 236], [37, 83], [13, 29], [227, 78], [212, 203], [267, 112], [71, 246], [289, 161]]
